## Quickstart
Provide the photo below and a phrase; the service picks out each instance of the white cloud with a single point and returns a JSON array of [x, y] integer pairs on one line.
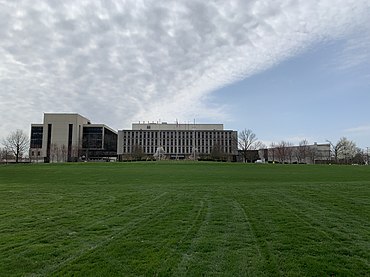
[[120, 61], [355, 52], [359, 129]]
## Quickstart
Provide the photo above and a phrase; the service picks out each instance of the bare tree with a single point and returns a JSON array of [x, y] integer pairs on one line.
[[360, 157], [289, 150], [217, 152], [283, 152], [245, 141], [280, 152], [272, 152], [344, 150], [54, 152], [2, 154], [64, 153], [335, 149], [137, 152], [5, 155], [313, 153], [349, 150], [302, 151], [17, 143], [258, 145], [76, 153]]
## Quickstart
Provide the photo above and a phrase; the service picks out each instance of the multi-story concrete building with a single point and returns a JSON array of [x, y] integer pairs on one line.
[[307, 154], [177, 141], [71, 137]]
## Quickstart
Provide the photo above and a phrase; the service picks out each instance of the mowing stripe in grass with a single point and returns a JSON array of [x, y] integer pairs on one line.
[[168, 219], [110, 237]]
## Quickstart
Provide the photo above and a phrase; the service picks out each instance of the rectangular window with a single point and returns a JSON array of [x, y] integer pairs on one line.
[[48, 142], [36, 136], [70, 131], [92, 137]]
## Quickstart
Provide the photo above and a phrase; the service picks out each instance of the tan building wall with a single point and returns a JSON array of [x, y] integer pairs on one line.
[[60, 126], [61, 136]]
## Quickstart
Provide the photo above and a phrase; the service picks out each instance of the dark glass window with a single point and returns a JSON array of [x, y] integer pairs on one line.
[[48, 143], [92, 137], [110, 140], [70, 132], [36, 137]]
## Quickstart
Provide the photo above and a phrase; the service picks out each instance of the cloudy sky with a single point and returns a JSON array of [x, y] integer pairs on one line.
[[288, 69]]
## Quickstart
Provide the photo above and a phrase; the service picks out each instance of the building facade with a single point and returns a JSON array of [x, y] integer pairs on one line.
[[177, 141], [70, 137], [66, 137], [304, 154]]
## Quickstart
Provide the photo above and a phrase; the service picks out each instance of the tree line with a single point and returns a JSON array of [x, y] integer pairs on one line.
[[344, 151]]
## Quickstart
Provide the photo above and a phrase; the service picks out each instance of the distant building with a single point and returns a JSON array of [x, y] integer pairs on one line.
[[71, 137], [305, 154], [177, 141]]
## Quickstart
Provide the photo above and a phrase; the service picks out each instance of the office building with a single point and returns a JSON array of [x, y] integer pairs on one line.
[[71, 137], [177, 141], [305, 154]]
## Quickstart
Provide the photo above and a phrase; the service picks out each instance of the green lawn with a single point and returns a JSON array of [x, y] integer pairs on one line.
[[184, 219]]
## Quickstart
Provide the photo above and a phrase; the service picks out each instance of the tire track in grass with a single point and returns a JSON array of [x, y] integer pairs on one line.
[[238, 249], [218, 225], [55, 220], [263, 247], [303, 218], [187, 256], [87, 227], [323, 236], [92, 247], [240, 209], [174, 248], [317, 199], [323, 221], [193, 224], [339, 234], [218, 261]]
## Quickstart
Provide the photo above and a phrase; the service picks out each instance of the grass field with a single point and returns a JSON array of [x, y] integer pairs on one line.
[[184, 219]]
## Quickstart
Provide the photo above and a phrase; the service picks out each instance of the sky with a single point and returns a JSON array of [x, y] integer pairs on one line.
[[288, 70]]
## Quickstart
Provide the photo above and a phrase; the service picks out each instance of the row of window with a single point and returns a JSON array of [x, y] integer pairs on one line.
[[176, 150], [174, 134], [175, 142], [36, 136]]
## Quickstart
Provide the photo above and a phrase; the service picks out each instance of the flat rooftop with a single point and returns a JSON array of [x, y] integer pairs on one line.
[[176, 126]]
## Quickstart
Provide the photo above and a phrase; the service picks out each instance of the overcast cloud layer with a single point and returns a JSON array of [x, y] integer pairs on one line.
[[122, 61]]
